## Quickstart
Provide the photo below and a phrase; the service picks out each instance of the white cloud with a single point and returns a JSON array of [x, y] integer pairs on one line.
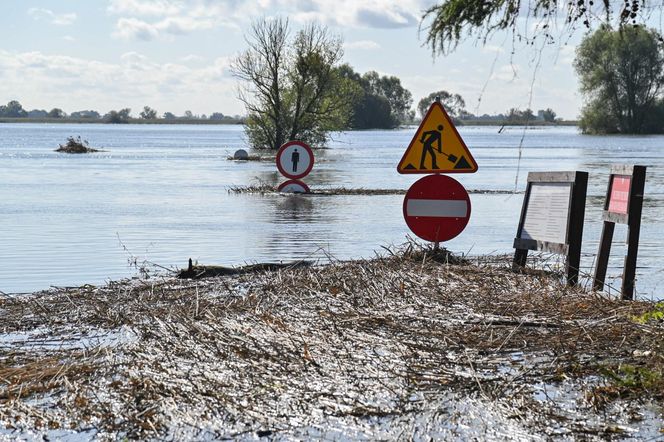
[[566, 55], [145, 7], [192, 58], [148, 19], [358, 13], [56, 19], [394, 16], [135, 29], [493, 49], [46, 81], [366, 45], [507, 72]]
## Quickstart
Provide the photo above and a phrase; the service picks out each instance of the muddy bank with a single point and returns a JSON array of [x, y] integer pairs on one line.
[[408, 345]]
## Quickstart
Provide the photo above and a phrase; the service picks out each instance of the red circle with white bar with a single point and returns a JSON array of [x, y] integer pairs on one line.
[[295, 159], [436, 208], [293, 186]]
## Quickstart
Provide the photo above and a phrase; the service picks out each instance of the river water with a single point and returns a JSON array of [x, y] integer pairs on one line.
[[160, 193]]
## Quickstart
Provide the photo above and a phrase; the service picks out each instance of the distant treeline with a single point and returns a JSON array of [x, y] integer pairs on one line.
[[506, 122], [382, 117], [14, 112], [69, 120]]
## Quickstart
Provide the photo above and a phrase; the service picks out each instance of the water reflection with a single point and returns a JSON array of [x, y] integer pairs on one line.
[[291, 209]]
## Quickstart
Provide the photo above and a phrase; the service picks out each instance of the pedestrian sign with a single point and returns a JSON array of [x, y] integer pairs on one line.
[[437, 147], [295, 159]]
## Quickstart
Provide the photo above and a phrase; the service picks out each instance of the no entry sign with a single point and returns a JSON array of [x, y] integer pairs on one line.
[[436, 208], [295, 159]]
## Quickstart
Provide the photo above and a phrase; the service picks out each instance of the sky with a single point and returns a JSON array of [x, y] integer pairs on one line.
[[174, 55]]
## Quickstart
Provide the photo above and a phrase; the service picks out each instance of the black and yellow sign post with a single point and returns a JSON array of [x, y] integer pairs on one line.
[[437, 147], [436, 207]]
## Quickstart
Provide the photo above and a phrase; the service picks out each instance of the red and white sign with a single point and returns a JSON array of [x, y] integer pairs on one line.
[[436, 208], [295, 159], [619, 198], [293, 186]]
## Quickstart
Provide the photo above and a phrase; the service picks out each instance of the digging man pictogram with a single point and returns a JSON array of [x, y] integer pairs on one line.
[[428, 139]]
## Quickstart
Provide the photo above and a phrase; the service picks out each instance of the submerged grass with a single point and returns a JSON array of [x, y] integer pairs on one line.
[[251, 158], [264, 188], [76, 145], [418, 342]]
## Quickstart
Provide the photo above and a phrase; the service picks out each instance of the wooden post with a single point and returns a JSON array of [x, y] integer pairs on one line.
[[520, 258], [633, 230], [603, 255], [521, 254], [575, 228]]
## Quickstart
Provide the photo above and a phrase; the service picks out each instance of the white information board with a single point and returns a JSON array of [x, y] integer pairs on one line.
[[548, 212]]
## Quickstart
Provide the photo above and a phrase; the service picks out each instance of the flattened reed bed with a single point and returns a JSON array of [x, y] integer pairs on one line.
[[268, 189], [381, 348]]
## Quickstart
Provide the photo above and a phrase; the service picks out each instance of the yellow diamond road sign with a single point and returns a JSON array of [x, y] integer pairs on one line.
[[437, 147]]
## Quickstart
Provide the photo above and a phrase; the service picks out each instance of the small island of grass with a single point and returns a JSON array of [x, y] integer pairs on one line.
[[76, 145]]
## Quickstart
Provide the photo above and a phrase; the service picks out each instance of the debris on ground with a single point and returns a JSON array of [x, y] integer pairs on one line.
[[409, 345], [264, 188]]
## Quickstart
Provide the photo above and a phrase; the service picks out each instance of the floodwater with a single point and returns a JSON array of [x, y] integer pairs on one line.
[[160, 194]]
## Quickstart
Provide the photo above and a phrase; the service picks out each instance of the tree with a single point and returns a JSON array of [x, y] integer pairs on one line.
[[56, 113], [451, 21], [373, 112], [118, 117], [515, 115], [188, 114], [400, 99], [217, 116], [13, 109], [148, 113], [291, 89], [85, 114], [549, 115], [454, 104], [621, 75], [37, 113], [380, 102], [169, 116]]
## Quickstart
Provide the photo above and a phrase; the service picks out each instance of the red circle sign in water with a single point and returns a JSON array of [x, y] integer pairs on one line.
[[436, 208], [295, 159], [293, 186]]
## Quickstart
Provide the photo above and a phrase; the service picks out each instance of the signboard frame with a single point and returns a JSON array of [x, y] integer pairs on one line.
[[571, 247], [632, 218]]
